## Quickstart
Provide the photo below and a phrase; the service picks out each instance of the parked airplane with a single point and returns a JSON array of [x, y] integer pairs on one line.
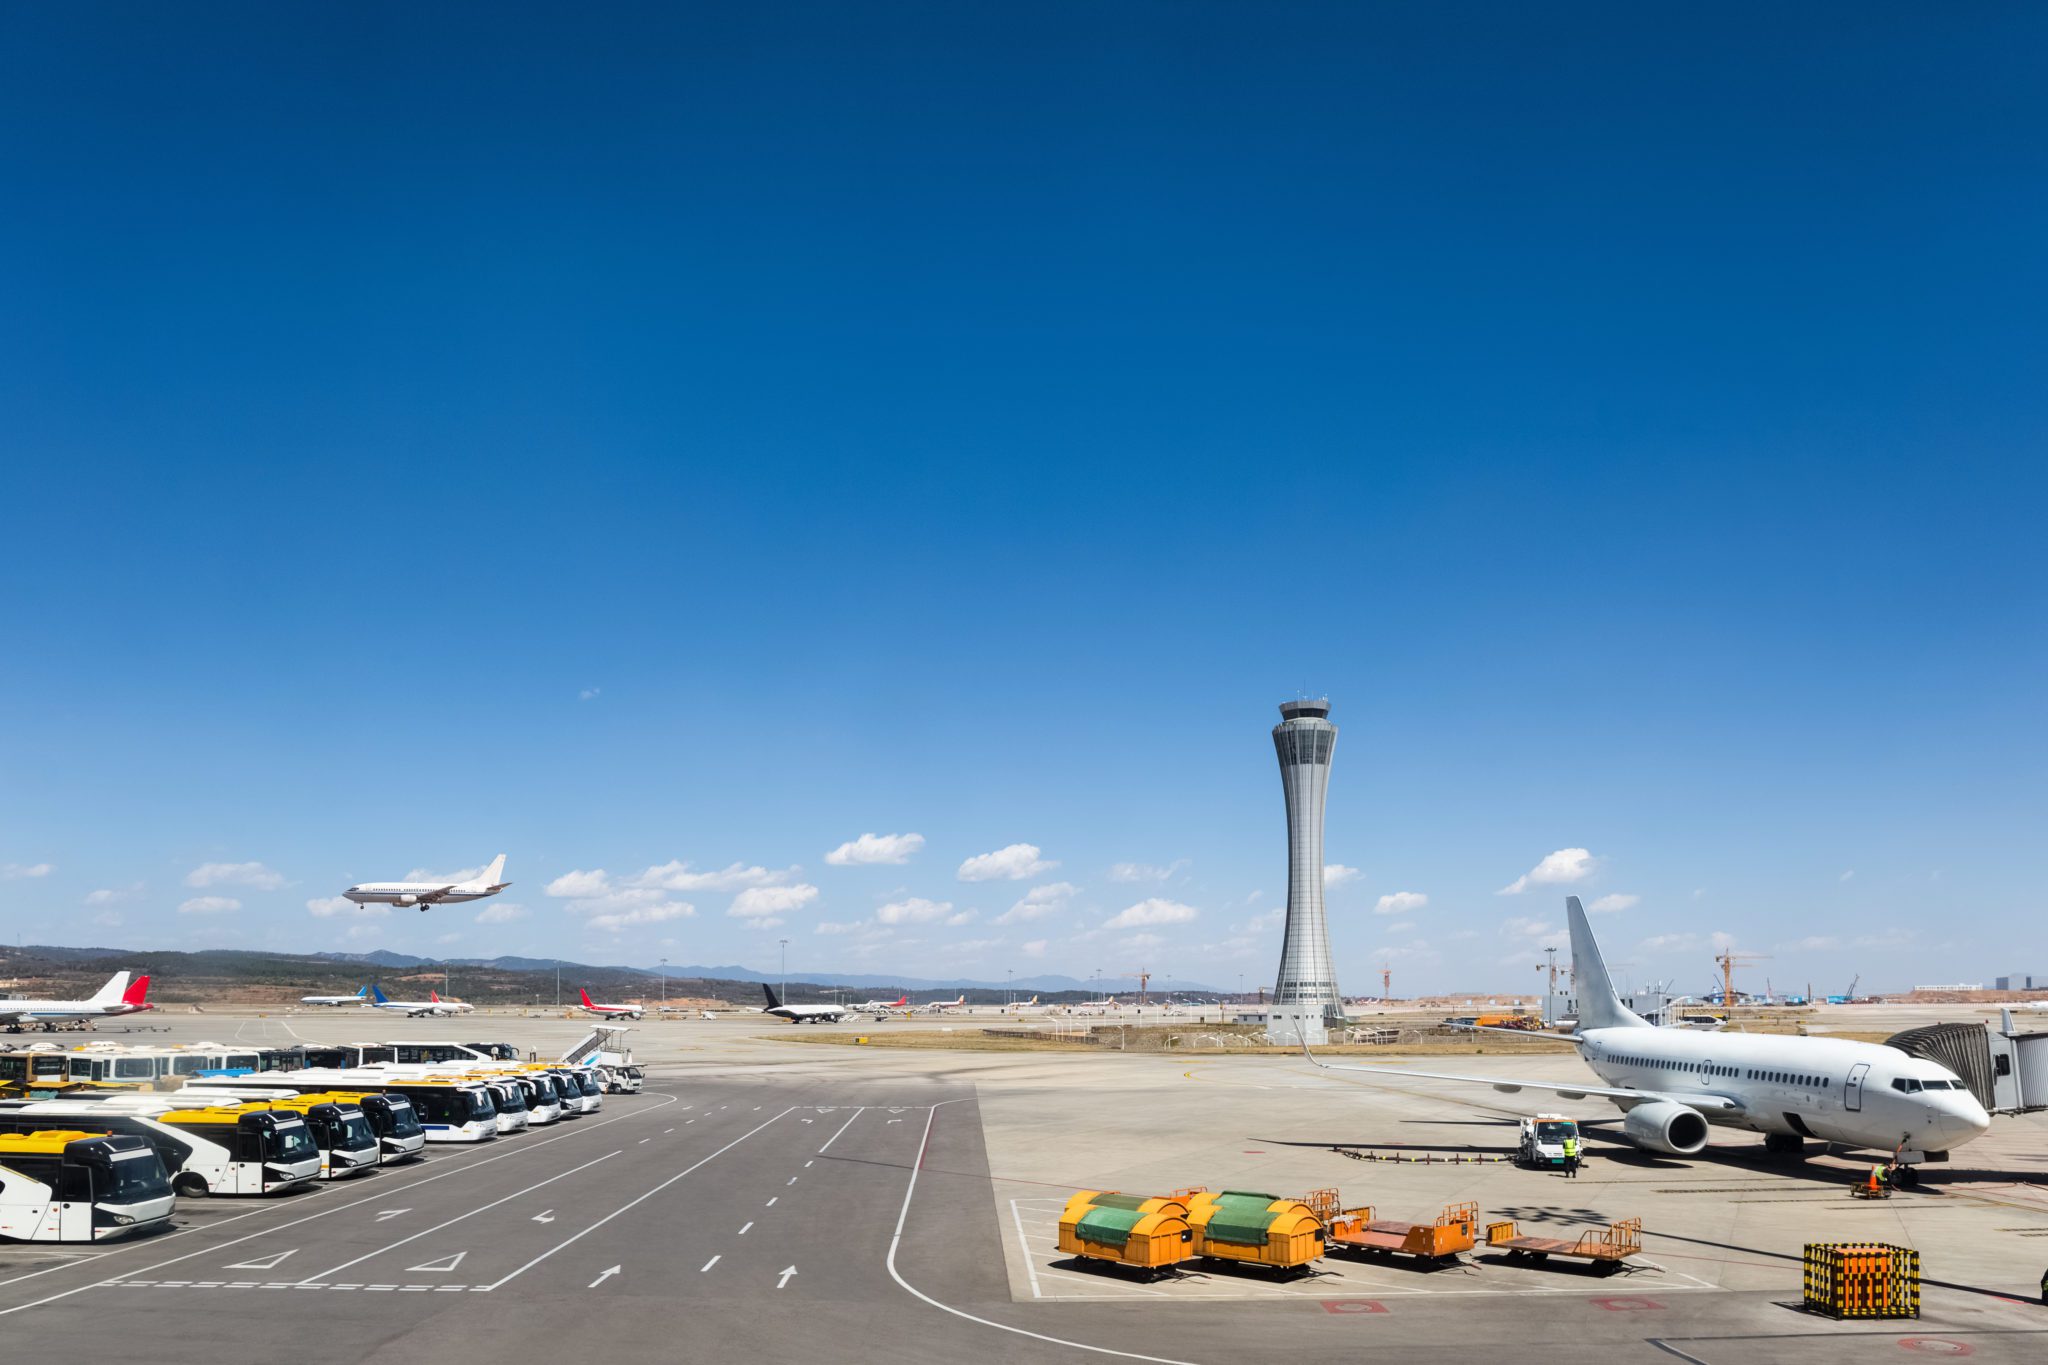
[[361, 997], [1673, 1084], [432, 1005], [612, 1011], [424, 894], [941, 1006], [802, 1014], [1019, 1006], [900, 1005], [116, 998]]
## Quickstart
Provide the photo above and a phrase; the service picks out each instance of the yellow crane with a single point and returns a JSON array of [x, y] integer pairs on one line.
[[1727, 961], [1144, 979]]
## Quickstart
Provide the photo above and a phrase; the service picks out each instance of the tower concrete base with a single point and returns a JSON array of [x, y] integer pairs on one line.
[[1290, 1027]]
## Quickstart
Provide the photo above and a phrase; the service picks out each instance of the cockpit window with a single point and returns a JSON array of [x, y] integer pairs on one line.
[[1906, 1084]]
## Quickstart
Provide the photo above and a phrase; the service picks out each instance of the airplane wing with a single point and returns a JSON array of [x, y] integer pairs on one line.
[[8, 1016], [1566, 1090], [434, 897]]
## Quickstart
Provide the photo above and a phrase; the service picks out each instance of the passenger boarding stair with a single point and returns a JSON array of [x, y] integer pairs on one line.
[[604, 1045]]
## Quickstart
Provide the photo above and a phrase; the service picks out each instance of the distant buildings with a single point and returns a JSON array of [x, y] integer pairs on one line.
[[2023, 981]]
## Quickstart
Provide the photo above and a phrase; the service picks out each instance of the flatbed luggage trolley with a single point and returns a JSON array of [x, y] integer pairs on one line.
[[1607, 1248]]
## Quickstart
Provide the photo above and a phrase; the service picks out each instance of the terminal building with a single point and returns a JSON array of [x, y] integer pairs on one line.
[[1306, 1002]]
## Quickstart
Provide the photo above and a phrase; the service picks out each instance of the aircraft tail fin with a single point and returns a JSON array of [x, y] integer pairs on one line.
[[494, 871], [1599, 1006], [114, 991], [585, 993], [362, 991], [137, 994], [769, 991], [377, 995], [433, 997]]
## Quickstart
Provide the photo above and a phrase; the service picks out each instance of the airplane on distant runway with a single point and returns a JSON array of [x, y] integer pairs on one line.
[[110, 1001], [942, 1006], [1672, 1084], [361, 997], [612, 1011], [802, 1014], [424, 894], [900, 1005], [433, 1005], [1019, 1006]]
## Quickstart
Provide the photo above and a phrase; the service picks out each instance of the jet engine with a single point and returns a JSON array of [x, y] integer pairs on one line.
[[408, 900], [1665, 1126]]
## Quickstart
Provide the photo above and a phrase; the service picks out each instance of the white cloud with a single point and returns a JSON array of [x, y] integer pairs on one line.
[[12, 871], [1153, 911], [612, 921], [1847, 876], [1562, 868], [501, 912], [964, 917], [1723, 942], [1263, 921], [1140, 941], [588, 693], [580, 883], [1536, 933], [1040, 900], [254, 875], [113, 895], [758, 902], [1337, 874], [1401, 903], [329, 907], [1034, 947], [1609, 904], [766, 922], [1013, 863], [209, 905], [675, 876], [1813, 943], [875, 848], [915, 910], [853, 926], [1145, 872]]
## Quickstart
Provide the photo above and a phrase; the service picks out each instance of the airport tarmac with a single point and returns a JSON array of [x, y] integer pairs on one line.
[[769, 1198]]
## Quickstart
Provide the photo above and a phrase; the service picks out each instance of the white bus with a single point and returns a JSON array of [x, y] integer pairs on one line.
[[68, 1186], [140, 1066], [399, 1134], [216, 1149], [448, 1109]]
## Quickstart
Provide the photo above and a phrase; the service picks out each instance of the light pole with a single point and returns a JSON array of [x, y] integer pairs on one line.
[[785, 971], [558, 985], [664, 983], [1008, 973]]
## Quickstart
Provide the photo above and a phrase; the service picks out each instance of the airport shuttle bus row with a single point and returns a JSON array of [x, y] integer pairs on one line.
[[455, 1103], [62, 1185], [226, 1148]]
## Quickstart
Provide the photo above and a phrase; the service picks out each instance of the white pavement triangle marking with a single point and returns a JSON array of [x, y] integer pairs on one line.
[[391, 1213], [602, 1278], [445, 1263], [544, 1216], [267, 1263], [787, 1271]]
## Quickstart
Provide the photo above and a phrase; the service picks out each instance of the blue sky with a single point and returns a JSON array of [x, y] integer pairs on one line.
[[698, 438]]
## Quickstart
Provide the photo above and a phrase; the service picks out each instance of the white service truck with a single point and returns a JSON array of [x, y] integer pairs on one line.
[[1543, 1138]]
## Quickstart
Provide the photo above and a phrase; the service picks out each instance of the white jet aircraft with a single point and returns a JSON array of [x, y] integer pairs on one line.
[[361, 997], [801, 1014], [433, 1005], [878, 1008], [611, 1011], [424, 894], [1672, 1085], [115, 998], [943, 1006]]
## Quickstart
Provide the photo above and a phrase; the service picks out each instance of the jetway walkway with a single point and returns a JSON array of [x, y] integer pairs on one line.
[[2005, 1069]]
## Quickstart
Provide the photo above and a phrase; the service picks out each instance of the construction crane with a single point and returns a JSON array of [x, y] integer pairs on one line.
[[1386, 981], [1727, 963], [1144, 979]]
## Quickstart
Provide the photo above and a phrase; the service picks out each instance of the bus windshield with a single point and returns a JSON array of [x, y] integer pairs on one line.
[[130, 1178], [355, 1131], [511, 1099], [292, 1141], [404, 1123], [480, 1106]]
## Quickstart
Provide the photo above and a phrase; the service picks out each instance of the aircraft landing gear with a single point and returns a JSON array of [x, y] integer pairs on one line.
[[1785, 1144], [1905, 1177]]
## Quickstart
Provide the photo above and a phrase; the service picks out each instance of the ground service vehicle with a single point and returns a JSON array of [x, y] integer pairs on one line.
[[399, 1134], [30, 1073], [138, 1067], [348, 1146], [62, 1185], [580, 1091], [1543, 1138], [227, 1149], [447, 1109], [510, 1097]]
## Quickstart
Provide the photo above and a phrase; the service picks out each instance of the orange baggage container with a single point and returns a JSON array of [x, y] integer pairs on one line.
[[1145, 1239], [1255, 1229]]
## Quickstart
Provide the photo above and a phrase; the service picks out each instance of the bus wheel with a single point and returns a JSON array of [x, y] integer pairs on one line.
[[190, 1187]]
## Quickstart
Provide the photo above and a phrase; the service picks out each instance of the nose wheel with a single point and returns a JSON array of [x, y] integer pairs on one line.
[[1905, 1177]]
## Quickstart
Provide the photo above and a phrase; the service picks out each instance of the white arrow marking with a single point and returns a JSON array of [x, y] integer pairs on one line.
[[806, 1120], [544, 1216], [786, 1273], [602, 1278], [391, 1213], [267, 1263], [892, 1120], [445, 1263]]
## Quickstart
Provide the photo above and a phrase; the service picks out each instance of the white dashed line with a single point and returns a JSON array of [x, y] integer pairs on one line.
[[710, 1263]]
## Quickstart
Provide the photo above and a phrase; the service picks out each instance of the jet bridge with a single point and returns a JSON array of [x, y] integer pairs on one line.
[[2005, 1069]]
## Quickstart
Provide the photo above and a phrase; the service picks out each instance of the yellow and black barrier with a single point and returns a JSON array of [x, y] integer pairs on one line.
[[1862, 1280]]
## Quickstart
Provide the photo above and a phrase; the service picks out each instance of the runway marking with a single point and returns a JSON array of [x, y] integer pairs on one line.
[[743, 1231], [391, 1213], [710, 1263], [792, 1180], [633, 1203], [544, 1216], [266, 1263], [786, 1273], [265, 1232], [1030, 1265], [606, 1275], [771, 1203], [896, 1240], [482, 1208], [812, 1162], [445, 1263], [842, 1128]]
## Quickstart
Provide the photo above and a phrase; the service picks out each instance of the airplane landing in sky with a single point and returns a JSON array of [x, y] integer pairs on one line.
[[424, 894]]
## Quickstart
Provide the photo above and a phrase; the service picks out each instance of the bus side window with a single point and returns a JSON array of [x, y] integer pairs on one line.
[[74, 1185], [248, 1144]]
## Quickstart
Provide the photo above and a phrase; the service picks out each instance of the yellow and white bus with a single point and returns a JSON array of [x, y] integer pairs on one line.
[[399, 1134], [447, 1109], [70, 1186], [32, 1072], [225, 1149]]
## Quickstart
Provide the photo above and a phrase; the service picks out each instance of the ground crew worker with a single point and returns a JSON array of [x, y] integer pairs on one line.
[[1571, 1158], [1884, 1175]]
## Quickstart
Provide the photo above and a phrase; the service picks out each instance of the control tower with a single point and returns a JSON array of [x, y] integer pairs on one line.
[[1305, 998]]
